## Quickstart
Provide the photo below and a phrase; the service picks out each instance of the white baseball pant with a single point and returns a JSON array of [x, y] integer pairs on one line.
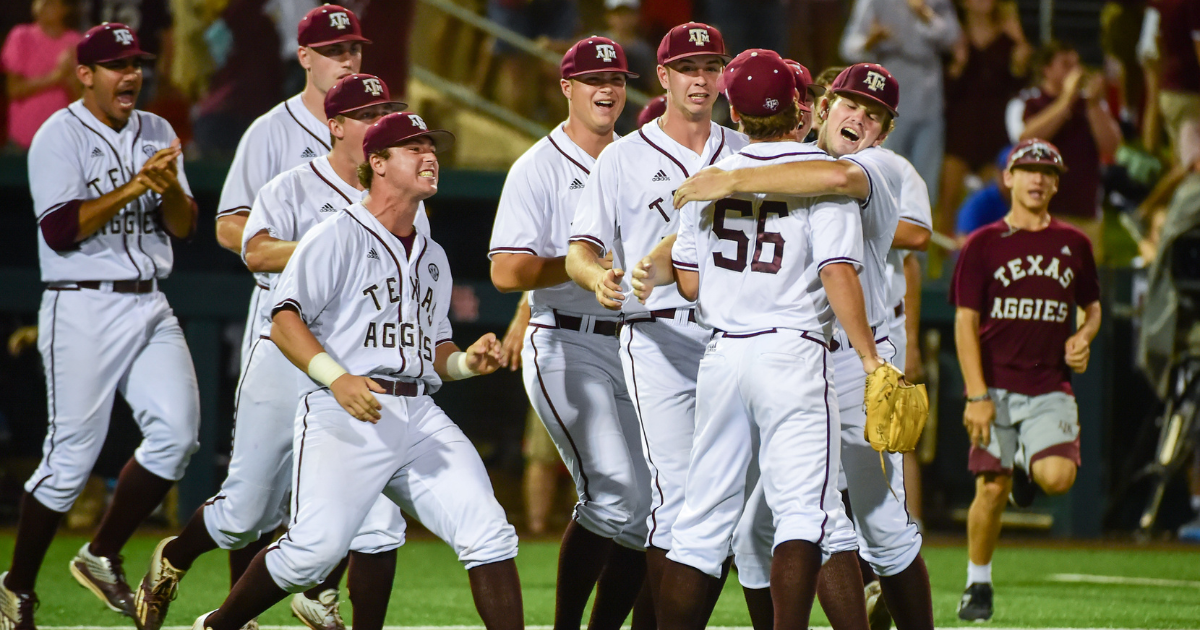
[[253, 499], [414, 455], [95, 343], [660, 358], [780, 382], [575, 385], [259, 295]]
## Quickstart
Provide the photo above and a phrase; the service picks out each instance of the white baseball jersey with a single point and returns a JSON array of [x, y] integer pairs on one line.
[[376, 310], [759, 256], [880, 214], [293, 203], [75, 158], [538, 202], [626, 206], [914, 208]]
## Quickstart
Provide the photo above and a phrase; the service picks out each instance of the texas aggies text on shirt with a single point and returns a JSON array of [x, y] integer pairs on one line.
[[1025, 286]]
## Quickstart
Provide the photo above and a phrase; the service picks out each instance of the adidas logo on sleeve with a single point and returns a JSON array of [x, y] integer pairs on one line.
[[660, 176], [575, 184], [96, 152], [328, 208], [372, 254], [308, 153]]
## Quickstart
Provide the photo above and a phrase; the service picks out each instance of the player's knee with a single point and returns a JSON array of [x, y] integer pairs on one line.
[[1055, 475], [499, 544], [991, 490]]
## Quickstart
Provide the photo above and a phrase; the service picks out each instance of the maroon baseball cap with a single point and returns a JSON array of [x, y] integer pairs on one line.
[[109, 41], [399, 127], [595, 54], [689, 40], [356, 92], [758, 83], [804, 81], [655, 108], [1036, 151], [329, 24], [872, 81]]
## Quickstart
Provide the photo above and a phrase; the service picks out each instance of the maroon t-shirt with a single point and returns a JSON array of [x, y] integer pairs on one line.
[[1078, 188], [1025, 286], [1179, 28]]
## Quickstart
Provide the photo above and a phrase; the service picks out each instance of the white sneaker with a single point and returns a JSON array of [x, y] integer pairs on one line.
[[199, 625], [321, 613], [16, 609]]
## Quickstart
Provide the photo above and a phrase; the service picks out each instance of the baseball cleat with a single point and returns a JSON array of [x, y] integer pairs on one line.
[[251, 625], [321, 613], [1023, 488], [104, 577], [976, 603], [156, 591], [16, 609], [199, 625], [878, 617]]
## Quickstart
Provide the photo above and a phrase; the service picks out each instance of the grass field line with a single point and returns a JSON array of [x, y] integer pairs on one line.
[[1120, 579]]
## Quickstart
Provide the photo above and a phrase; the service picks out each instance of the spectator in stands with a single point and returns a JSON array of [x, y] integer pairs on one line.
[[624, 27], [990, 60], [1178, 72], [549, 22], [39, 68], [909, 37], [1067, 107], [986, 205], [247, 81]]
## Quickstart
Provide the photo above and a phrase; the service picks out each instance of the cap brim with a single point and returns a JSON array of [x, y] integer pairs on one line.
[[141, 54], [348, 38], [1061, 168], [895, 114], [629, 73], [442, 140], [817, 89], [400, 106], [725, 58]]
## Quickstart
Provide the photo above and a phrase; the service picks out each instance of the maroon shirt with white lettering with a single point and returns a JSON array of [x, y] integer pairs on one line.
[[1025, 286]]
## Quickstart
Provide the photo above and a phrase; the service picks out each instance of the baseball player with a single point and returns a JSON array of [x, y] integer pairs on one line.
[[366, 291], [855, 119], [292, 133], [109, 192], [626, 210], [571, 361], [289, 135], [778, 268], [1016, 286], [253, 498]]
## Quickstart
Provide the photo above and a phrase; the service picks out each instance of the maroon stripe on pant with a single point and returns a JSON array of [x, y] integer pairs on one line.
[[546, 394], [646, 438], [300, 460], [53, 429], [828, 428]]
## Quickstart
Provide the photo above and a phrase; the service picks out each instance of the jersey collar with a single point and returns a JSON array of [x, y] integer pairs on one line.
[[368, 220], [717, 141], [85, 115], [566, 146], [322, 167], [318, 128]]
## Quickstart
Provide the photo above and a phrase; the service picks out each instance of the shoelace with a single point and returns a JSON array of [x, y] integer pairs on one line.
[[332, 610], [167, 586], [18, 607], [107, 569]]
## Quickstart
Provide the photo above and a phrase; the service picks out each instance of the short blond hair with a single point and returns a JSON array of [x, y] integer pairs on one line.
[[366, 174]]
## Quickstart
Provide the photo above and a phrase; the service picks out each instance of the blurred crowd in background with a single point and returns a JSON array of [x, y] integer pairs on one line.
[[973, 83]]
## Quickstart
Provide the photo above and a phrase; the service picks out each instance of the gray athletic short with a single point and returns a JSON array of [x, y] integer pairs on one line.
[[1042, 425]]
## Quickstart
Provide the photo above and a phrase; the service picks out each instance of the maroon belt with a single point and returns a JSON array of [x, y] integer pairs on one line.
[[599, 327], [665, 313], [398, 388], [118, 286]]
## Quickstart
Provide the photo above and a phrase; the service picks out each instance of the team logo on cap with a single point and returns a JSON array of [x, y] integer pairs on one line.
[[339, 20], [875, 81], [771, 104], [373, 87], [123, 36], [417, 122], [606, 52], [698, 36]]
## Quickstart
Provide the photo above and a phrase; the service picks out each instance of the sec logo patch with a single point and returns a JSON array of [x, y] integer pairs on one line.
[[433, 271]]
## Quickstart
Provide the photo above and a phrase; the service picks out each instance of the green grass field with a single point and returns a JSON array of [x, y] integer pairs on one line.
[[1145, 588]]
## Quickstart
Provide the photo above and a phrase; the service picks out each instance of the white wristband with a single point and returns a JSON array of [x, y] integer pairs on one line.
[[456, 367], [324, 370]]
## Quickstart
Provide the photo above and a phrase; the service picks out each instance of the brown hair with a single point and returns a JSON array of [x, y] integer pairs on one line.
[[776, 125], [1045, 56], [366, 173], [828, 75]]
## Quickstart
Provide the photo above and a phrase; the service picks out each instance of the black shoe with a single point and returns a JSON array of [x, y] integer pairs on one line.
[[976, 603], [1023, 488]]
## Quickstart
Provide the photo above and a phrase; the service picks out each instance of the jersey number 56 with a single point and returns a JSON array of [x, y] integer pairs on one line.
[[746, 208]]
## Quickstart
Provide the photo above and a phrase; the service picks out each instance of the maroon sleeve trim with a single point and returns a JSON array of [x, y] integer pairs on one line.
[[686, 266], [510, 250], [843, 259], [589, 239], [237, 210], [288, 305], [60, 226], [446, 340]]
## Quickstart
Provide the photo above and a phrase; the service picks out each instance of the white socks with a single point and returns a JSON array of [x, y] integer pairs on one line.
[[979, 574]]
